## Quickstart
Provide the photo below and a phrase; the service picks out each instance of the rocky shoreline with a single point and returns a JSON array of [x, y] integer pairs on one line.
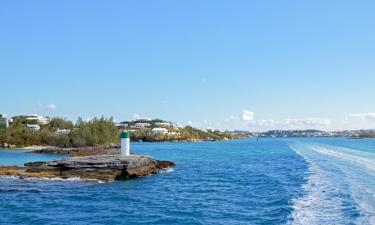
[[106, 168], [98, 162]]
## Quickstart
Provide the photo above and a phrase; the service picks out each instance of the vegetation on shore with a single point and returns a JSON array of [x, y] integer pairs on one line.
[[98, 131], [183, 134], [95, 132]]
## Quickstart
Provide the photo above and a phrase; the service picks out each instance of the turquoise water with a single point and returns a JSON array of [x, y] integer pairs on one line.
[[20, 157], [274, 181]]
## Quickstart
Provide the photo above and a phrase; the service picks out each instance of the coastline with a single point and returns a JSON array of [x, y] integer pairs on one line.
[[102, 162], [42, 147], [106, 168]]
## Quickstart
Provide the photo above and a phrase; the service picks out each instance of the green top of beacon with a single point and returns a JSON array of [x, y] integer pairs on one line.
[[125, 134]]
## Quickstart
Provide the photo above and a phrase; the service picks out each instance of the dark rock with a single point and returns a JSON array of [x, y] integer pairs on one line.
[[101, 167], [165, 164]]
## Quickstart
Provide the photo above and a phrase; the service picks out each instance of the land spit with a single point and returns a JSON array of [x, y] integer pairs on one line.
[[100, 167]]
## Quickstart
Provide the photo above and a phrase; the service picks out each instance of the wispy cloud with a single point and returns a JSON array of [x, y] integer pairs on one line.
[[51, 106], [291, 123], [364, 116], [246, 121]]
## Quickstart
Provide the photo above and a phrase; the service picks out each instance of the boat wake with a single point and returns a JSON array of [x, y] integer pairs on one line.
[[339, 188]]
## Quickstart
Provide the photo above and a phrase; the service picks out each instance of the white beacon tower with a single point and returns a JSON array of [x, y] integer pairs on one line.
[[125, 144]]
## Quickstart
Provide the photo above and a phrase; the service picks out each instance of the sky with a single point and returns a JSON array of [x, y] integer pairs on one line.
[[235, 64]]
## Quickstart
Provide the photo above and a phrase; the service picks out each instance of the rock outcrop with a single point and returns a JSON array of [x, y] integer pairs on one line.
[[101, 167]]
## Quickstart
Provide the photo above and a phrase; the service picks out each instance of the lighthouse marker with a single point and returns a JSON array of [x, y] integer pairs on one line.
[[125, 144]]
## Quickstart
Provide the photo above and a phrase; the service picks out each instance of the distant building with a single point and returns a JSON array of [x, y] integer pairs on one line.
[[4, 120], [160, 130], [121, 125], [141, 125], [36, 119], [163, 124], [34, 127]]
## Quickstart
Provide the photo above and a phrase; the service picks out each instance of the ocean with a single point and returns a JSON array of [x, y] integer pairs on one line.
[[273, 181]]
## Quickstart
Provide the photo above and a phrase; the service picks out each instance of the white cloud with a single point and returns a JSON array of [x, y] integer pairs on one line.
[[286, 124], [51, 106], [246, 121], [364, 116], [237, 123], [266, 123], [358, 121], [247, 115]]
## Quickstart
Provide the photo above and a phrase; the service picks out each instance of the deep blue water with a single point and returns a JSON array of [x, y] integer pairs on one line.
[[274, 181]]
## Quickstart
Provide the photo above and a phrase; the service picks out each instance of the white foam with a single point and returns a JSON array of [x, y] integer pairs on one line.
[[319, 204], [10, 177], [72, 179], [361, 161], [334, 172], [167, 170]]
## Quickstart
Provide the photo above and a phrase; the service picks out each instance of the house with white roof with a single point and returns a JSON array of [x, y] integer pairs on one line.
[[159, 130], [34, 118], [163, 124], [141, 125]]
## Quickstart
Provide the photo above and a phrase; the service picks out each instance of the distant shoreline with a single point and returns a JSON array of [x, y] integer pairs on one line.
[[45, 147]]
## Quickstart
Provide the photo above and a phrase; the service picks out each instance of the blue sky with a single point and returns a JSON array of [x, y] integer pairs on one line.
[[222, 64]]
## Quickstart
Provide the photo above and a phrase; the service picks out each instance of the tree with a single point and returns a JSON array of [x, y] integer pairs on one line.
[[60, 123]]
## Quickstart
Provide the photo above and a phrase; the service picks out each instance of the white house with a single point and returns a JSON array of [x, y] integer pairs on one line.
[[34, 127], [38, 119], [4, 120], [160, 130], [121, 125], [141, 125], [163, 124]]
